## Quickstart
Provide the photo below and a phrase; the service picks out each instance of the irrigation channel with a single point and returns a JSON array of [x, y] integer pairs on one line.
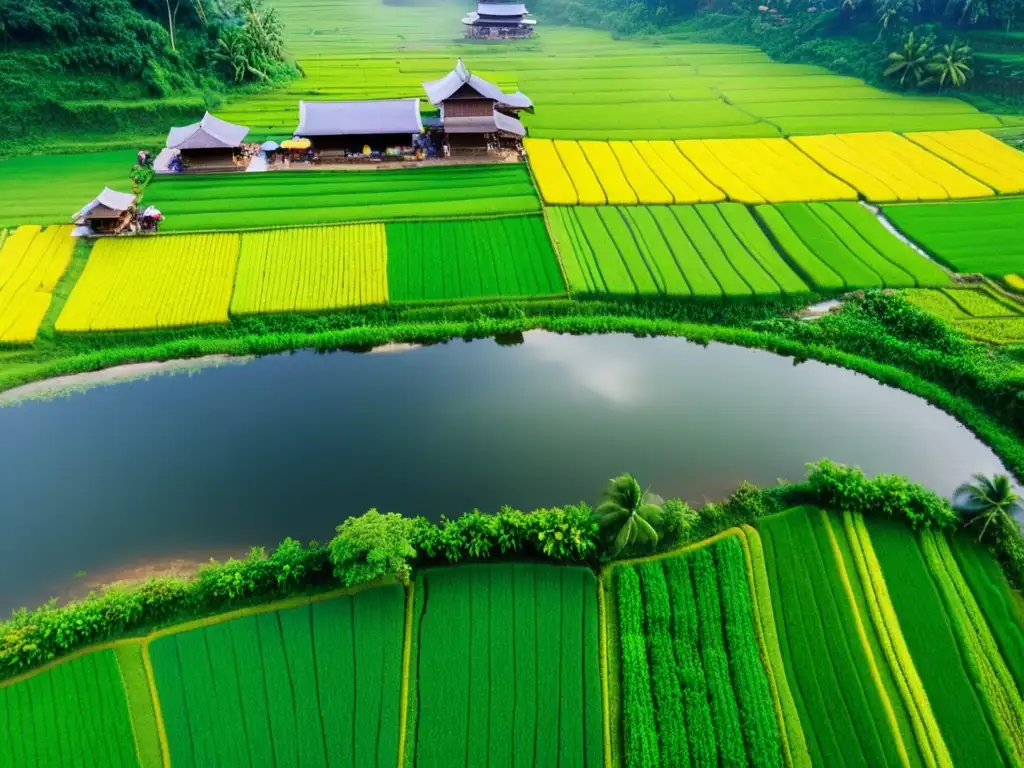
[[182, 466]]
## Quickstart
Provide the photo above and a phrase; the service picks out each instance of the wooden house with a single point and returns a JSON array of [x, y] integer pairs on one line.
[[476, 114], [109, 213], [211, 144], [499, 21], [348, 127]]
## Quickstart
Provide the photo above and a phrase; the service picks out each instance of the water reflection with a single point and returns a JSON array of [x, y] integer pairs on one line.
[[291, 444]]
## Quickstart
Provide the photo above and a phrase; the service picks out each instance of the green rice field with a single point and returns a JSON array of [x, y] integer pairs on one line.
[[701, 251], [50, 189], [261, 201], [816, 638], [523, 686], [838, 246], [459, 260], [967, 236], [312, 685], [978, 311]]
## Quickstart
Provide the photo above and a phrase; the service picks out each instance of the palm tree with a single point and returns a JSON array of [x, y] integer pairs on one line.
[[951, 63], [634, 515], [911, 60], [990, 499]]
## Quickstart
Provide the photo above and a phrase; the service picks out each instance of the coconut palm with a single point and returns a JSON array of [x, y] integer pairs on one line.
[[988, 499], [911, 60], [633, 514], [951, 63]]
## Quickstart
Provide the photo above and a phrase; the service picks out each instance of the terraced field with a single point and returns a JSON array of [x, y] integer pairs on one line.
[[268, 200], [977, 311]]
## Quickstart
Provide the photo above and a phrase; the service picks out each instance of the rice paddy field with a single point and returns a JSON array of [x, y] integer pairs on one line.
[[466, 260], [977, 311], [982, 236], [49, 189], [32, 261], [523, 686], [304, 198], [144, 283], [819, 637]]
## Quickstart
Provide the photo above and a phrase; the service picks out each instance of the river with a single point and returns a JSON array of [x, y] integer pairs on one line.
[[289, 445]]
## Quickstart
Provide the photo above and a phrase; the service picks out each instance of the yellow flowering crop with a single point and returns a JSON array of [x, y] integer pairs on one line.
[[555, 185], [311, 268], [163, 281], [885, 167], [1015, 281], [718, 173], [609, 173], [677, 173], [32, 260], [775, 170], [984, 157], [649, 189], [588, 188]]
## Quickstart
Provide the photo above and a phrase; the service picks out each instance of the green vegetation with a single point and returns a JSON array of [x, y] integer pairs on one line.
[[241, 201], [967, 237], [927, 629], [977, 312], [524, 684], [140, 704], [48, 190], [74, 711], [454, 261], [842, 245], [703, 251], [314, 674], [828, 663]]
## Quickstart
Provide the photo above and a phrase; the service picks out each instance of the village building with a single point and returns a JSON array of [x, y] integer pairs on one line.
[[477, 115], [109, 213], [211, 144], [499, 21], [341, 129]]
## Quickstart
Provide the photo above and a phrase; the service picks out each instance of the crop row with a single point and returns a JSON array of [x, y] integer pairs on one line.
[[311, 268], [882, 167], [506, 671], [980, 236], [703, 251], [182, 280], [32, 261], [161, 282], [843, 701], [312, 685], [837, 246], [976, 311], [262, 201], [885, 167], [72, 714], [457, 260], [694, 687]]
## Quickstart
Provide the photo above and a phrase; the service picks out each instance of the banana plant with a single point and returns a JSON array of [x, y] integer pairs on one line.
[[632, 514]]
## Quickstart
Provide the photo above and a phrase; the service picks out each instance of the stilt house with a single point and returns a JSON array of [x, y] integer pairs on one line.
[[499, 21]]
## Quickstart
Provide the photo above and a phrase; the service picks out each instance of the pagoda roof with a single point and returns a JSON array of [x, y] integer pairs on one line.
[[439, 90], [359, 118], [209, 133], [501, 9]]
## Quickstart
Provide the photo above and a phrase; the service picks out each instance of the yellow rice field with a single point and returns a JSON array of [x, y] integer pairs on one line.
[[879, 166], [142, 283], [313, 268], [1015, 281], [32, 260], [984, 157], [885, 167], [764, 171]]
